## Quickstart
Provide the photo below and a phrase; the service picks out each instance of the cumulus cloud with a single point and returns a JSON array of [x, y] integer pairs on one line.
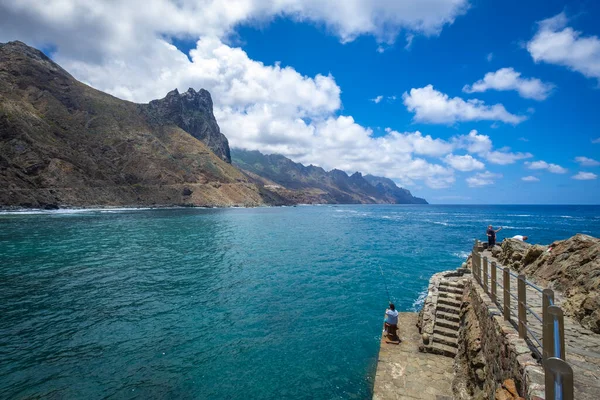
[[483, 179], [556, 43], [509, 79], [530, 178], [587, 162], [94, 29], [482, 146], [377, 99], [432, 106], [463, 163], [585, 176], [554, 168]]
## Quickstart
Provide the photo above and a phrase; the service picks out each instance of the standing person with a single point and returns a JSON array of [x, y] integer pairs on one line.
[[491, 234], [391, 321]]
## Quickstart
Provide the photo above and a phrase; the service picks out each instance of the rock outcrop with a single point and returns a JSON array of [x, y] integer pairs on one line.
[[63, 143], [193, 112], [311, 184], [571, 266]]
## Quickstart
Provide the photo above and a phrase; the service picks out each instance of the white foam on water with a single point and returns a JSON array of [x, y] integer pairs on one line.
[[418, 303], [566, 216], [69, 211], [441, 223], [519, 215], [461, 254]]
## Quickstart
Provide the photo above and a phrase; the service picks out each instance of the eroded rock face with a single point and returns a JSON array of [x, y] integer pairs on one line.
[[571, 266], [512, 251], [193, 112]]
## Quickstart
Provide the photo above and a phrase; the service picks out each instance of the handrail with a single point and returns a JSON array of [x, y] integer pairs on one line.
[[559, 375]]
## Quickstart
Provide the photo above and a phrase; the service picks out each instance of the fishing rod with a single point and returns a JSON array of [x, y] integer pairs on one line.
[[385, 284]]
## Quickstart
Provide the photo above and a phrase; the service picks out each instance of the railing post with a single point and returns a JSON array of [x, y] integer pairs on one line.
[[558, 379], [493, 291], [558, 326], [485, 274], [522, 301], [548, 323], [506, 284]]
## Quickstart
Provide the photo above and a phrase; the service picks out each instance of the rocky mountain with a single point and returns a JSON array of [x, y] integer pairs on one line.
[[193, 112], [309, 184], [63, 143]]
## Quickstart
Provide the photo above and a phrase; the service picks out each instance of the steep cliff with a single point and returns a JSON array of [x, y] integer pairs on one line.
[[311, 184], [65, 143]]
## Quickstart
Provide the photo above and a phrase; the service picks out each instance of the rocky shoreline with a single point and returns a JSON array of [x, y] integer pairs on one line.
[[459, 320]]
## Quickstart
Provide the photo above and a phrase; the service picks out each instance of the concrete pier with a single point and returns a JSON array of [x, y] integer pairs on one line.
[[403, 372]]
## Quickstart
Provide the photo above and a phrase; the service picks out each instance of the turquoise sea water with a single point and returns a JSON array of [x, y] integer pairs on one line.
[[226, 303]]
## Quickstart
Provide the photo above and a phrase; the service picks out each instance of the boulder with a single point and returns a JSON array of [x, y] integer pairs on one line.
[[573, 267], [512, 250]]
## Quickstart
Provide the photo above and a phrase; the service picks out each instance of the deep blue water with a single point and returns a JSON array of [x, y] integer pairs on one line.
[[227, 303]]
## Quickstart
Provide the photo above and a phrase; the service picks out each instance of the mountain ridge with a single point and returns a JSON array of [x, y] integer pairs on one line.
[[66, 144], [312, 184]]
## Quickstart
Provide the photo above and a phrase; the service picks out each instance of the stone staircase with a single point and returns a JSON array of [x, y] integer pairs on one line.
[[447, 319]]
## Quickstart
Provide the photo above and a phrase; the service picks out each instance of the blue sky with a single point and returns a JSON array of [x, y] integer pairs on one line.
[[301, 81]]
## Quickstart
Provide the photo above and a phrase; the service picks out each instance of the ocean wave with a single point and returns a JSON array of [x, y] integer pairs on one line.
[[418, 303], [566, 216], [68, 211], [519, 215], [461, 254]]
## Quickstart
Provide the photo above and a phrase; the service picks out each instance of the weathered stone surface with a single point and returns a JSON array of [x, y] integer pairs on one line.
[[571, 266], [403, 372]]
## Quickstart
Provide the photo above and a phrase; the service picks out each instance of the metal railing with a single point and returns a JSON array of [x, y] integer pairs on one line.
[[550, 345]]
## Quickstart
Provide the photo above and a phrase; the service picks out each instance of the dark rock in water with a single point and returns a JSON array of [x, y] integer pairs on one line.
[[193, 112]]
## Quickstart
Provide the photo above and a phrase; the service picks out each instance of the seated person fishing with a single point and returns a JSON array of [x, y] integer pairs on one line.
[[391, 320]]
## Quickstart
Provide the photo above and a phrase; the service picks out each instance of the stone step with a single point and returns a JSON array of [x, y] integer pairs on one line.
[[453, 333], [459, 285], [447, 316], [447, 324], [438, 348], [449, 301], [448, 309], [449, 289], [448, 295], [445, 340]]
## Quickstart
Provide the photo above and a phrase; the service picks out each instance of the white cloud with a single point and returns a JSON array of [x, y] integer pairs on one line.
[[93, 29], [554, 168], [377, 99], [482, 146], [409, 40], [585, 176], [483, 179], [509, 79], [596, 141], [490, 57], [463, 163], [504, 158], [432, 106], [587, 162], [556, 43], [530, 178]]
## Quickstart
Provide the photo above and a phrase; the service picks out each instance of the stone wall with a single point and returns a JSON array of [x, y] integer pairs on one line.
[[492, 361]]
